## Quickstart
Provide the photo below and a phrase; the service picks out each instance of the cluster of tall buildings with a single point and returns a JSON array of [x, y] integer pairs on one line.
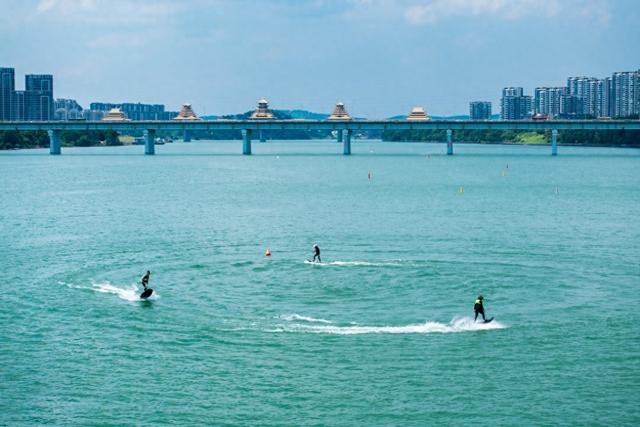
[[35, 102], [617, 96]]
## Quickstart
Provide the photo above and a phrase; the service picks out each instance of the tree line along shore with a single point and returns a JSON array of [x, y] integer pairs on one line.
[[12, 140]]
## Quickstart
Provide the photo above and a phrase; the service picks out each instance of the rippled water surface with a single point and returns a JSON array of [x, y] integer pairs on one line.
[[380, 333]]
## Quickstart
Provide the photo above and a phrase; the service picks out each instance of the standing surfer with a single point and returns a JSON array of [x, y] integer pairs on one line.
[[145, 279], [479, 308], [316, 253]]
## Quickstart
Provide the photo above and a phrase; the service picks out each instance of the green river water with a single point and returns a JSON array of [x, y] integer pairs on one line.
[[380, 334]]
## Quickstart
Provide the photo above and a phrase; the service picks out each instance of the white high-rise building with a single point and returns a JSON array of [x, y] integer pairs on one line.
[[603, 98], [548, 100], [625, 93], [514, 104], [585, 89]]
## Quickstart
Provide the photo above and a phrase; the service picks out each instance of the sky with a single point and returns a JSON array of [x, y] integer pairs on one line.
[[380, 57]]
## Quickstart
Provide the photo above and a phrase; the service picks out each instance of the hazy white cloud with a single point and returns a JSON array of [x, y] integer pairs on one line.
[[431, 11], [64, 5], [118, 40], [45, 5], [107, 12], [425, 12]]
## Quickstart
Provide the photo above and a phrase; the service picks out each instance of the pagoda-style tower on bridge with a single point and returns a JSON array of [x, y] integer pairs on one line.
[[186, 114], [339, 113], [418, 114], [262, 112]]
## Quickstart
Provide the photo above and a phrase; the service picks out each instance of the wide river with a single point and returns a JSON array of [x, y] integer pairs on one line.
[[380, 334]]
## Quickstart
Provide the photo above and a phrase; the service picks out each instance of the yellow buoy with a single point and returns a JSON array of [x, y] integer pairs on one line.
[[461, 189]]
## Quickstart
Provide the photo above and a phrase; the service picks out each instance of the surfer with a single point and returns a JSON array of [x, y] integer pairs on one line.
[[316, 253], [479, 308], [145, 279]]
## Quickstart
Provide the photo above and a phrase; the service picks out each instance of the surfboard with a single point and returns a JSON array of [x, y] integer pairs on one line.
[[146, 294], [488, 320]]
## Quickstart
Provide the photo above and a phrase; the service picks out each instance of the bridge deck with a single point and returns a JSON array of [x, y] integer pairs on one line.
[[355, 125]]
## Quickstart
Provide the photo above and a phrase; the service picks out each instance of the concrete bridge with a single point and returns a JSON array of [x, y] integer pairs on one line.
[[251, 129]]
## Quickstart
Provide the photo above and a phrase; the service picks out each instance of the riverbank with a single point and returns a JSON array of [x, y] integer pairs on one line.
[[612, 138], [10, 140]]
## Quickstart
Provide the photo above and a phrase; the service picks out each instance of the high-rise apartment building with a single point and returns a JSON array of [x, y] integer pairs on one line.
[[625, 93], [585, 89], [39, 97], [603, 97], [514, 104], [549, 101], [480, 110], [572, 107], [7, 87]]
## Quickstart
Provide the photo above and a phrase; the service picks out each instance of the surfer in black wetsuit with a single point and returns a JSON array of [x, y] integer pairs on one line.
[[145, 279], [479, 308], [316, 253]]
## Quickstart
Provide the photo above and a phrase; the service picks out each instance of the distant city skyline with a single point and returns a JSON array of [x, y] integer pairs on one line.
[[380, 57], [582, 97]]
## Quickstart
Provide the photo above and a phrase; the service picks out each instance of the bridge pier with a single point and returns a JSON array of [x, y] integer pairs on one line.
[[347, 143], [246, 141], [449, 142], [54, 141], [554, 142], [186, 136], [262, 137], [150, 141], [340, 135]]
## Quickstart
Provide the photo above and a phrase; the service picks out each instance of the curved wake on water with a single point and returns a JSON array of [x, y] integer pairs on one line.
[[353, 264], [293, 317], [319, 326], [131, 293]]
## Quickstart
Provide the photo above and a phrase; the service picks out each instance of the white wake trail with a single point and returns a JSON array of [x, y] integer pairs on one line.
[[353, 264], [131, 293], [127, 294], [464, 324], [291, 317]]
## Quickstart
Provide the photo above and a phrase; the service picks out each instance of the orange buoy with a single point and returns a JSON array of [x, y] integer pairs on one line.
[[267, 252]]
